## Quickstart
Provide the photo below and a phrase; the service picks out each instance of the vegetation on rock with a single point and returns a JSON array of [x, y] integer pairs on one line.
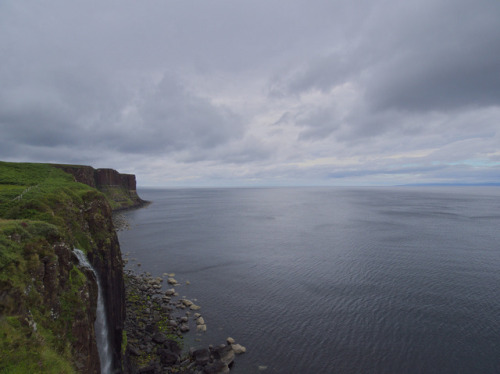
[[47, 302]]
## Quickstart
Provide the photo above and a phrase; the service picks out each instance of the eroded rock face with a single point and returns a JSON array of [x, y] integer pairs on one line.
[[83, 174], [108, 181], [106, 259]]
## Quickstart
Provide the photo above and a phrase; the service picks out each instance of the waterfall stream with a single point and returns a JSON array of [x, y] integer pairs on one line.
[[100, 325]]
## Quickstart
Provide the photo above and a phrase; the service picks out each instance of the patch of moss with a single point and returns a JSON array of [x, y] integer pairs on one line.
[[24, 350]]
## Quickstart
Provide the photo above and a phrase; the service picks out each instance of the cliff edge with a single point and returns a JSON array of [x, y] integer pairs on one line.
[[47, 300], [120, 189]]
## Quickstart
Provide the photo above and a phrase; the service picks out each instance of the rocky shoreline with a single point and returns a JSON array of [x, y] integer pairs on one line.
[[155, 323]]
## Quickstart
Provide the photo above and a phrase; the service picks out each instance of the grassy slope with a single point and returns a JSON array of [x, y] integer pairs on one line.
[[38, 207]]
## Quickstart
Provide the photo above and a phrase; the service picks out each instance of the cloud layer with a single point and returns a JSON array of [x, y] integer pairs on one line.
[[255, 93]]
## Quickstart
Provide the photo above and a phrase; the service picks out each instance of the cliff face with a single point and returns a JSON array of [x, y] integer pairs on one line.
[[119, 188], [47, 300], [106, 259]]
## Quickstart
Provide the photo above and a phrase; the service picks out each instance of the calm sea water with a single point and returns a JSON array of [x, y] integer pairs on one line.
[[327, 280]]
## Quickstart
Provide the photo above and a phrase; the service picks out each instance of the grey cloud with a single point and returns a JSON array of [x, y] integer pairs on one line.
[[93, 81], [170, 118], [430, 56], [318, 124]]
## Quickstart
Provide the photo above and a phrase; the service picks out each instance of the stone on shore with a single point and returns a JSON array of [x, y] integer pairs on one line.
[[224, 353], [238, 348], [172, 281], [201, 328], [152, 329]]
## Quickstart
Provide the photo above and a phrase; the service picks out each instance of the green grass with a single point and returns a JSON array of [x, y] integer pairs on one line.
[[23, 350], [41, 205], [42, 192]]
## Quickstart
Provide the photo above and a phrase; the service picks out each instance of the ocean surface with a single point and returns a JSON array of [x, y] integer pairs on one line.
[[333, 280]]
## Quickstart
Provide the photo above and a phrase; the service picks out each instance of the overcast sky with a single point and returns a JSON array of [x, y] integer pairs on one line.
[[261, 92]]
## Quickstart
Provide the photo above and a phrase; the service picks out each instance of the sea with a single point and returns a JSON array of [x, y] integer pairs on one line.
[[332, 280]]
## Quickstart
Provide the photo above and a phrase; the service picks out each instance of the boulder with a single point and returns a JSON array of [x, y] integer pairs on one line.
[[238, 349], [224, 353], [201, 328], [159, 338], [167, 357], [172, 281], [217, 367], [201, 356], [173, 346], [170, 292]]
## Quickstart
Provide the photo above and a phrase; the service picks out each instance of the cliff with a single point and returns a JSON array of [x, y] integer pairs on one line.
[[47, 301], [120, 189]]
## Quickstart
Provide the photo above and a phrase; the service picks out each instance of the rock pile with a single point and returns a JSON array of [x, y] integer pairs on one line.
[[154, 335]]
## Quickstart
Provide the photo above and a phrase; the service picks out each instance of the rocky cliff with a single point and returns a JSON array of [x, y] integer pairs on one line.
[[119, 188], [47, 300]]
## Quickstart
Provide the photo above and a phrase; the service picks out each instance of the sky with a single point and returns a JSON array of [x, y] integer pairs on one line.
[[255, 93]]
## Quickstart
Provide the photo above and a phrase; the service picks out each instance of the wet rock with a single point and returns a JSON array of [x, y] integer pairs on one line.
[[173, 323], [167, 357], [170, 292], [200, 321], [172, 281], [238, 349], [201, 328], [201, 356], [184, 327], [159, 338], [151, 369], [218, 367], [173, 346], [230, 340], [224, 353]]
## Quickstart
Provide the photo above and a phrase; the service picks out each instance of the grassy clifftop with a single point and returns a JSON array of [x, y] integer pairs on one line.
[[47, 302]]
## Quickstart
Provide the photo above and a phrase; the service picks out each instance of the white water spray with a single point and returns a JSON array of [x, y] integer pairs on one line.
[[100, 325]]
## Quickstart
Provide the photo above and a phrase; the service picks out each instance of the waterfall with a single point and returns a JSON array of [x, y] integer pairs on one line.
[[100, 325]]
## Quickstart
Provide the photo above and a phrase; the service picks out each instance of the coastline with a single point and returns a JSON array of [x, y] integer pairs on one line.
[[155, 325], [158, 322]]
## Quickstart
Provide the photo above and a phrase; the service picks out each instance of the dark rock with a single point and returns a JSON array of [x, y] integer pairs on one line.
[[134, 350], [159, 338], [173, 346], [224, 353], [151, 369], [201, 356], [167, 357], [218, 367]]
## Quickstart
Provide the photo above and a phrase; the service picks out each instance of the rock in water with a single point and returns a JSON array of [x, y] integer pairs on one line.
[[238, 348], [172, 281]]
